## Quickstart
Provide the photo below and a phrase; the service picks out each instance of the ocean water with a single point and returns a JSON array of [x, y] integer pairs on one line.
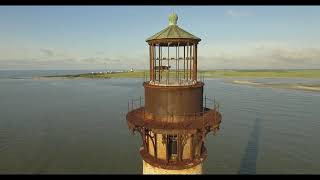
[[79, 127]]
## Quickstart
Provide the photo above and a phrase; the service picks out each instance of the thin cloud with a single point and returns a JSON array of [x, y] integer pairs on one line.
[[295, 55], [99, 52], [264, 55], [47, 52], [98, 60], [252, 55], [233, 13]]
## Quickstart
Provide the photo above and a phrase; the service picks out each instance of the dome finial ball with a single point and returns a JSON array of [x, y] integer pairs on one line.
[[173, 18]]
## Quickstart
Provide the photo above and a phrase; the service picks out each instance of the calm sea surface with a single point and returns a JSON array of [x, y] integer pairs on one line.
[[79, 126]]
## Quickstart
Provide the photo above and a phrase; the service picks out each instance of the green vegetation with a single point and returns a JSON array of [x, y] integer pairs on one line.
[[264, 73], [212, 74]]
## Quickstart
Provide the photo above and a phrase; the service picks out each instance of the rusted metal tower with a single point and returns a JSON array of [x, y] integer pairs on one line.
[[175, 119]]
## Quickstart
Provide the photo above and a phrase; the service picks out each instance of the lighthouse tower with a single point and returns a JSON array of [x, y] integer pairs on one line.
[[173, 118]]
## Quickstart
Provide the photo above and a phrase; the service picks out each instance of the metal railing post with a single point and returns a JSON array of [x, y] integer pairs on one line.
[[202, 120], [203, 116], [203, 77], [205, 101], [131, 103], [203, 107]]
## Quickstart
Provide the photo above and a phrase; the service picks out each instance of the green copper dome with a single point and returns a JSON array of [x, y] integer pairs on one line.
[[173, 31]]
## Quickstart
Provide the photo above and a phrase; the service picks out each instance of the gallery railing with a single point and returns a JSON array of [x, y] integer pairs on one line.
[[173, 80], [209, 105]]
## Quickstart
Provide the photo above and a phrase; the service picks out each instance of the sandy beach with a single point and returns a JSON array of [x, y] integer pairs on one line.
[[283, 85]]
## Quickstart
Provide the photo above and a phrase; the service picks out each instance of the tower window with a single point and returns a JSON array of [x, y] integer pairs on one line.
[[172, 147]]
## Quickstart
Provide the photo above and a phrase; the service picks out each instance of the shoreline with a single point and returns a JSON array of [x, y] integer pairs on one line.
[[240, 77], [294, 86], [62, 78], [203, 73]]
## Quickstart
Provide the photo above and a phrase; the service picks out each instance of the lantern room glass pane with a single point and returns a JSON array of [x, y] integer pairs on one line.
[[173, 65]]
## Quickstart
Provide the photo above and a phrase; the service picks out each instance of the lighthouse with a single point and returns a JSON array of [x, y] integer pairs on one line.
[[174, 117]]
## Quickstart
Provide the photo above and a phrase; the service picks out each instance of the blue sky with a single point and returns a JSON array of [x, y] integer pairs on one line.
[[95, 37]]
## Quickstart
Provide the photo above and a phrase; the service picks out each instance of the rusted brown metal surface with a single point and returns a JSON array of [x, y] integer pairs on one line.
[[140, 118], [185, 125], [173, 42], [173, 105], [173, 99]]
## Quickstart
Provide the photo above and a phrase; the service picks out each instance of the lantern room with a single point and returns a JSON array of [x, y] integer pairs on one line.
[[173, 56], [174, 118]]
